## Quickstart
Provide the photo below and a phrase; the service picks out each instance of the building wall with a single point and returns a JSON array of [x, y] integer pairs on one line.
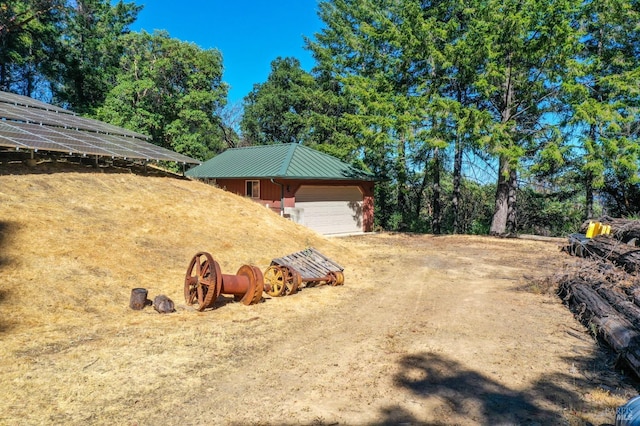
[[272, 192]]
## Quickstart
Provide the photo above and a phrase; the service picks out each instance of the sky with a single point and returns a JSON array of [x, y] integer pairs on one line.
[[250, 34]]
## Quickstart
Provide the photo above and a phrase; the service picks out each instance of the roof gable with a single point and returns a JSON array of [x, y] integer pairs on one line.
[[284, 161]]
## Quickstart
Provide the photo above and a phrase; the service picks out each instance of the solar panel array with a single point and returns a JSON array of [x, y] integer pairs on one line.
[[26, 123]]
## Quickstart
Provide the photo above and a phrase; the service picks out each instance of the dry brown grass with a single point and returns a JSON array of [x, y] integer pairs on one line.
[[75, 242]]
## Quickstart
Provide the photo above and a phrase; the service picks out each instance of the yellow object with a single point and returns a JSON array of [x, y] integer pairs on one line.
[[597, 228]]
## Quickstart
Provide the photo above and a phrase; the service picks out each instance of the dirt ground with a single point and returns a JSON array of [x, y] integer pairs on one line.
[[427, 330]]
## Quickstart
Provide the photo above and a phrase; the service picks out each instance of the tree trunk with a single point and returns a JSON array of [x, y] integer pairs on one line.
[[588, 180], [457, 174], [401, 173], [499, 222], [512, 212], [436, 218], [588, 204], [419, 193], [501, 213]]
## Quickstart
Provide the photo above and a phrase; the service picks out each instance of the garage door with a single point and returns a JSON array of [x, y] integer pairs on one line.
[[330, 209]]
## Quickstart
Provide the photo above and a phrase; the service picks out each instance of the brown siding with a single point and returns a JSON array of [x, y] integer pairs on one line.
[[270, 193]]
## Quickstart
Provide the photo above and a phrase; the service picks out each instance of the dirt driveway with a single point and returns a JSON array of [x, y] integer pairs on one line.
[[439, 331], [426, 330]]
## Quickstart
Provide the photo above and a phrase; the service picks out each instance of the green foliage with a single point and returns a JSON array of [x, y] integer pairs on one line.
[[602, 105], [422, 77], [170, 90], [29, 31], [277, 111], [413, 91], [91, 47], [548, 213]]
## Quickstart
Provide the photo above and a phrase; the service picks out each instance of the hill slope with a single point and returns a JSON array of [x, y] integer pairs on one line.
[[80, 241]]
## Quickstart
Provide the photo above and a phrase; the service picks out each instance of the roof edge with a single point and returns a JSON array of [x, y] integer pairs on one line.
[[287, 160]]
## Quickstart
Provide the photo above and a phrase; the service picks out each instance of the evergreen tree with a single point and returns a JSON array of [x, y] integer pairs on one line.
[[91, 47], [277, 111], [603, 96], [29, 30]]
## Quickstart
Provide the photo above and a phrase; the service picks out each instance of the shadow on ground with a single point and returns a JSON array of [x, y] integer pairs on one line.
[[464, 394], [5, 228]]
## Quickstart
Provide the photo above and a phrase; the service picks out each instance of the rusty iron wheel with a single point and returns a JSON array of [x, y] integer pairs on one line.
[[256, 284], [292, 280], [339, 278], [257, 293], [274, 281], [335, 278], [203, 281]]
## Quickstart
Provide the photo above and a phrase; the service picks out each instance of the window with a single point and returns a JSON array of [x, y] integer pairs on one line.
[[253, 188]]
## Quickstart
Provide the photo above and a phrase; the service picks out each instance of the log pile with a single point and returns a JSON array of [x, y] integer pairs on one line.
[[606, 247], [604, 293]]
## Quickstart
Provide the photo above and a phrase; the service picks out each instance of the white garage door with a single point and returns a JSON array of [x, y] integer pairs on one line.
[[330, 209]]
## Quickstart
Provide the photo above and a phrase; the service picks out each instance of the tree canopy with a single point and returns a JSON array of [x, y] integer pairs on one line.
[[170, 90], [539, 97], [545, 92], [82, 55]]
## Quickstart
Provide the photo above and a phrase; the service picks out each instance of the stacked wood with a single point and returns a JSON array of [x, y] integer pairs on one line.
[[605, 296], [615, 251], [607, 312], [606, 247]]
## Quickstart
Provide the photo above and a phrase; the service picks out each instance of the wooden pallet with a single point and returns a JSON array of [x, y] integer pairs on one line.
[[309, 263]]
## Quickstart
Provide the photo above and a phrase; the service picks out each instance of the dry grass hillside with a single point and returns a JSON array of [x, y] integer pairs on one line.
[[110, 232], [425, 330]]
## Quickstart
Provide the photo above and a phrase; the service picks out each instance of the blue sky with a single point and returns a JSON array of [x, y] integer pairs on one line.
[[249, 33]]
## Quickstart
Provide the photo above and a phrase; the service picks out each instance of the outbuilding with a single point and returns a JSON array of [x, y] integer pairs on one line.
[[309, 187]]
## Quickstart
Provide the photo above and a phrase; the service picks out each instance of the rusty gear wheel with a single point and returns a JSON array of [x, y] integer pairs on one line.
[[203, 281], [274, 281], [292, 280]]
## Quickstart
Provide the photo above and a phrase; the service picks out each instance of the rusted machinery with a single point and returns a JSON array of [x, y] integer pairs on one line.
[[204, 282], [287, 274]]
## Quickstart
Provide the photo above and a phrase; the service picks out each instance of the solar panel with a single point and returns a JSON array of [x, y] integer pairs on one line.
[[12, 98], [26, 123], [60, 119]]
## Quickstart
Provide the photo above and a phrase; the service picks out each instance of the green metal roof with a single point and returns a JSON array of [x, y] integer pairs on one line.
[[284, 161]]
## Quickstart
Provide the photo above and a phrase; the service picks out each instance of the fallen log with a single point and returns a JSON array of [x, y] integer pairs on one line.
[[620, 302], [620, 254], [606, 248], [634, 293], [593, 311]]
